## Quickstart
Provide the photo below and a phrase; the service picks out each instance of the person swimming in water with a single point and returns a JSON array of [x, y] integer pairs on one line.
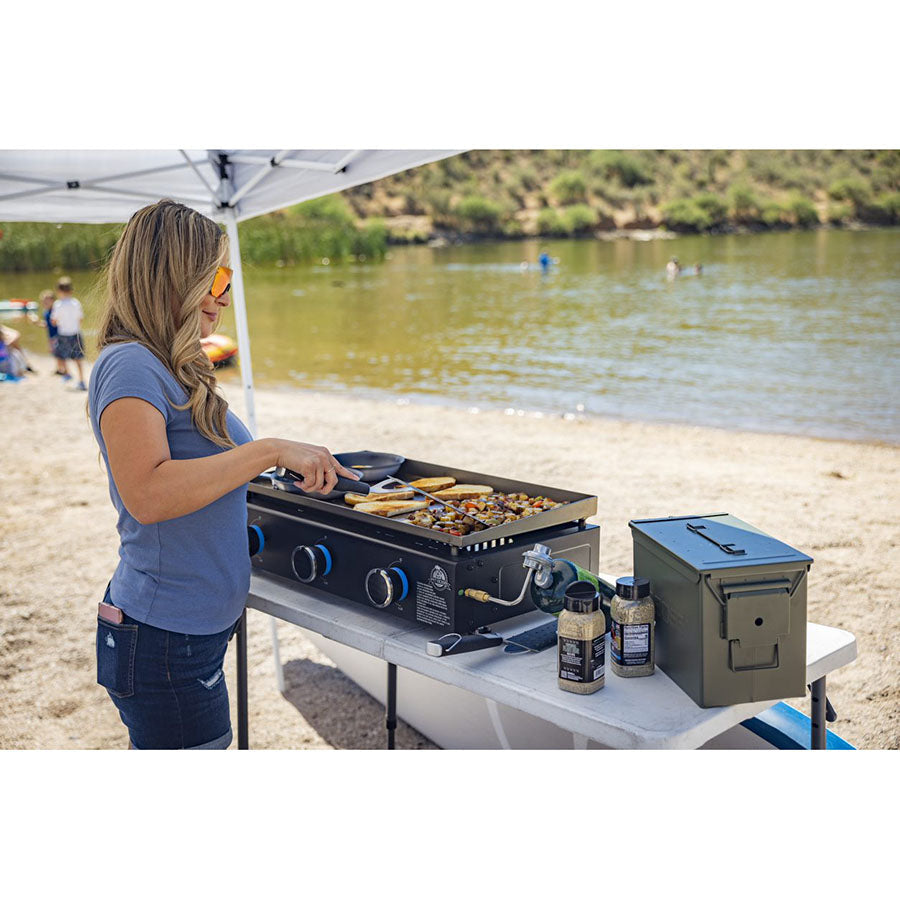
[[673, 268]]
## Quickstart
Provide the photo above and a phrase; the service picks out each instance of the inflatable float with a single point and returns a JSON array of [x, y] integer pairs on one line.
[[220, 349], [17, 307]]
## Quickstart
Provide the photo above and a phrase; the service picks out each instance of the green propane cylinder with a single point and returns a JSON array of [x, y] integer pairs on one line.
[[551, 578]]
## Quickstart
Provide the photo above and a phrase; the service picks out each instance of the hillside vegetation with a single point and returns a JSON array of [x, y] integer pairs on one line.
[[566, 192], [485, 194]]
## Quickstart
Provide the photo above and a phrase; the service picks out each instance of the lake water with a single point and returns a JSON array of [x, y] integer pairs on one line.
[[794, 332]]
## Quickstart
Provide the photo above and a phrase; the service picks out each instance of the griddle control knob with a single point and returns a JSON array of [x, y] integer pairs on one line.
[[256, 540], [386, 586], [309, 563]]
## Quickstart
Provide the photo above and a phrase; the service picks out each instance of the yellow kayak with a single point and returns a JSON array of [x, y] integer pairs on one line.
[[220, 349]]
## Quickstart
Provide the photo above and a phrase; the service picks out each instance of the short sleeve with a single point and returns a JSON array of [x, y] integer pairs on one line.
[[129, 370]]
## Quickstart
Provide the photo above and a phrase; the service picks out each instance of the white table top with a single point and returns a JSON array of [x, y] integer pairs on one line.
[[627, 713]]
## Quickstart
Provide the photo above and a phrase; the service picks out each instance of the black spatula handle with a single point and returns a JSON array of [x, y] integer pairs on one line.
[[343, 483]]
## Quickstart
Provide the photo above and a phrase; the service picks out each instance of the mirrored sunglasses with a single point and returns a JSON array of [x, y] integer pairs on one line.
[[222, 282]]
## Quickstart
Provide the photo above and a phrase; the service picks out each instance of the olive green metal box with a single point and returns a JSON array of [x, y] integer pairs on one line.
[[730, 607]]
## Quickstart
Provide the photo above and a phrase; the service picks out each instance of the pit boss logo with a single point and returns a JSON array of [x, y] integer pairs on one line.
[[439, 579]]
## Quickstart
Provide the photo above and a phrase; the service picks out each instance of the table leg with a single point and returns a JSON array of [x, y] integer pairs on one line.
[[818, 735], [391, 709], [242, 712]]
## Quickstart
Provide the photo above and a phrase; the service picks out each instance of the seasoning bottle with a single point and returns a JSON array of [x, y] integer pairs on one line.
[[581, 640], [632, 647]]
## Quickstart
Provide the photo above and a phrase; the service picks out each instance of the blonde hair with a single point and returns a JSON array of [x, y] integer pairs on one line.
[[156, 279]]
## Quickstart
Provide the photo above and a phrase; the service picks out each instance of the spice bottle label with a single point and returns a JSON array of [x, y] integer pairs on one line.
[[630, 644], [582, 661]]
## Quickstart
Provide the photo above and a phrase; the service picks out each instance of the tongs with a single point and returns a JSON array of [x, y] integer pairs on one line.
[[462, 512], [385, 486]]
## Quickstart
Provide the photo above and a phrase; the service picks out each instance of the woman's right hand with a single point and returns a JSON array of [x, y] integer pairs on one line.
[[318, 467]]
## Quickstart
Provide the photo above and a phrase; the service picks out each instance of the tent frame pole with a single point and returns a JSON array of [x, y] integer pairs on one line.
[[240, 318], [243, 335]]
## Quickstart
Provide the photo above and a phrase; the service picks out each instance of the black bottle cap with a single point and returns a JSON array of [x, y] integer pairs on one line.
[[631, 587], [583, 597]]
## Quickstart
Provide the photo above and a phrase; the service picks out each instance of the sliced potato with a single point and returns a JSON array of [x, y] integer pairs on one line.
[[392, 507], [464, 492], [355, 499], [433, 484]]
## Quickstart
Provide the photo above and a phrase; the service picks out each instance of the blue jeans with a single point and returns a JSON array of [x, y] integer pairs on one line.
[[169, 688]]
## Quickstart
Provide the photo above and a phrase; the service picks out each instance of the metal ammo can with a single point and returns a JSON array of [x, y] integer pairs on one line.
[[730, 607]]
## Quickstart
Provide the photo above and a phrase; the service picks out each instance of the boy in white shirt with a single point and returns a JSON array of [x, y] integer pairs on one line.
[[66, 315]]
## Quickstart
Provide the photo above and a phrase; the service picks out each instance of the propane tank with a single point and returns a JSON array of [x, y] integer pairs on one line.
[[551, 578]]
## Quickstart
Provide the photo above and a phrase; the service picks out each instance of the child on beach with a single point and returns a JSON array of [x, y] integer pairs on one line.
[[47, 299], [11, 367], [66, 315], [15, 362]]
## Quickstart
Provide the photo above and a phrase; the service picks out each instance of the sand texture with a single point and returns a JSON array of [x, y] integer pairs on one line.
[[838, 501]]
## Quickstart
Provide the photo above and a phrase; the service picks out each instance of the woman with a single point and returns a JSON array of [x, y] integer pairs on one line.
[[178, 461]]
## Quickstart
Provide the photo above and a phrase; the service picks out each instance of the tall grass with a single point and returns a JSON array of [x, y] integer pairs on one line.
[[309, 231]]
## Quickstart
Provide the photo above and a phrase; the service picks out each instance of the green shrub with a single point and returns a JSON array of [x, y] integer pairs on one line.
[[481, 213], [883, 210], [440, 203], [892, 202], [773, 215], [569, 187], [853, 190], [685, 215], [714, 207], [549, 223], [579, 218], [804, 213], [744, 204], [617, 163], [332, 208], [371, 240]]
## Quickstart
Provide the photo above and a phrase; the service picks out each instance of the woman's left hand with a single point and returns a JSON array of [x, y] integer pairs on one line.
[[318, 467]]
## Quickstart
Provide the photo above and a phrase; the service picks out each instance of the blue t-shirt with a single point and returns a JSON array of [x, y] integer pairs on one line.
[[189, 574], [51, 328]]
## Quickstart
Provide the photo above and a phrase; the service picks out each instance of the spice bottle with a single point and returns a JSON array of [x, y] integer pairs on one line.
[[632, 647], [581, 640]]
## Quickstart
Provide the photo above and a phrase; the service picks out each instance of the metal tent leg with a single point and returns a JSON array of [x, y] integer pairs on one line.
[[240, 319], [242, 710]]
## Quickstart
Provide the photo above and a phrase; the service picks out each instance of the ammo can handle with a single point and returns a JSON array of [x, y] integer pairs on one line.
[[735, 668], [728, 548]]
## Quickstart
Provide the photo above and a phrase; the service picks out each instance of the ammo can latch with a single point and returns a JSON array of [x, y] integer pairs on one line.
[[754, 615]]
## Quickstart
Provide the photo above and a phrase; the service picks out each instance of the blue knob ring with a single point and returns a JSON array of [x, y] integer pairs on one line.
[[402, 575], [260, 535], [327, 554]]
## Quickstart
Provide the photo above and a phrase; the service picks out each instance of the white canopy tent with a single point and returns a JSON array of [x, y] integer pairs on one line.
[[229, 186]]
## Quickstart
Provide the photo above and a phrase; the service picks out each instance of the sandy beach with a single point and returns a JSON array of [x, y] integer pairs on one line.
[[838, 501]]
